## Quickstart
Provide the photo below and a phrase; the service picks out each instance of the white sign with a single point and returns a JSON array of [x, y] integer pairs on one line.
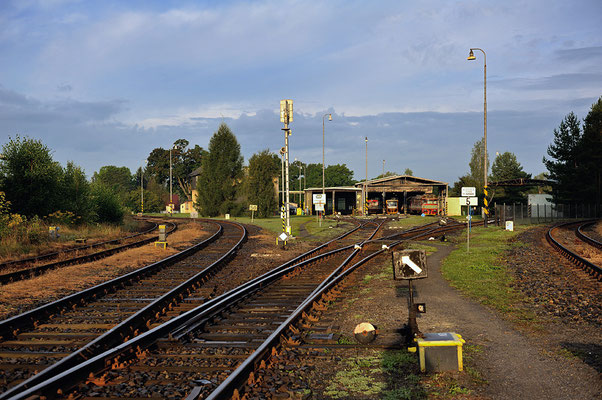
[[510, 226], [471, 201], [469, 191], [252, 207], [283, 236], [319, 206], [319, 198]]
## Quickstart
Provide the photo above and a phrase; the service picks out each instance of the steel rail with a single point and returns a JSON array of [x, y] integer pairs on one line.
[[11, 326], [585, 238], [78, 248], [136, 322], [574, 258], [35, 271], [236, 379], [173, 327]]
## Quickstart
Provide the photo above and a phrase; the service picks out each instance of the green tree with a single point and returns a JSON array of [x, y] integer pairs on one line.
[[118, 179], [590, 150], [476, 163], [475, 177], [408, 172], [263, 168], [313, 174], [75, 193], [30, 177], [106, 204], [338, 175], [221, 174], [565, 160], [388, 173], [505, 167], [183, 161]]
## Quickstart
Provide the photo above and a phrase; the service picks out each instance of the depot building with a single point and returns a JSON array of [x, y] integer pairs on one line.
[[411, 194]]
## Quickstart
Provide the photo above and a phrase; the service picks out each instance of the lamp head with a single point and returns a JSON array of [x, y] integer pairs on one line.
[[366, 139], [471, 56], [330, 117]]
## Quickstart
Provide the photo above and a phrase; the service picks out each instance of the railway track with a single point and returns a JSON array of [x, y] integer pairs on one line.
[[58, 335], [573, 257], [187, 299], [191, 353], [26, 273]]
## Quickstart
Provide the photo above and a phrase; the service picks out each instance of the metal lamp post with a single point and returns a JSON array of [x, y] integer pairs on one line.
[[324, 190], [472, 57]]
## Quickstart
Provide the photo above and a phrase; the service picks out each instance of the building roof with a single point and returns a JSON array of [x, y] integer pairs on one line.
[[339, 188], [195, 172], [407, 178]]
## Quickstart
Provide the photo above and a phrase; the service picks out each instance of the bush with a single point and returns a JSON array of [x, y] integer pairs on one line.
[[106, 204]]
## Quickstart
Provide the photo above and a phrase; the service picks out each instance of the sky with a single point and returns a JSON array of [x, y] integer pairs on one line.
[[105, 82]]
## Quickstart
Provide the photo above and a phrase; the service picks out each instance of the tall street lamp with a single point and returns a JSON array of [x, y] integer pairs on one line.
[[471, 57], [323, 190]]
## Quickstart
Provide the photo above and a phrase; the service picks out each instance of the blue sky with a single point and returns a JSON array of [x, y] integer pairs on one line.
[[105, 82]]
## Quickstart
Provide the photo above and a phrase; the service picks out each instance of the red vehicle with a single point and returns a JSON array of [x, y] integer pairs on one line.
[[373, 206]]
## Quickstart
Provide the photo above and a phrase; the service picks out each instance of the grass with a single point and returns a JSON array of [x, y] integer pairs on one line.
[[383, 375], [32, 237], [482, 275]]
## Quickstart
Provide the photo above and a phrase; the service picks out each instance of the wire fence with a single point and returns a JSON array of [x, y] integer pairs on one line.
[[541, 213]]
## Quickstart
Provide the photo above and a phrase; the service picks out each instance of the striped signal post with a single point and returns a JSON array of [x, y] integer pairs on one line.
[[486, 202]]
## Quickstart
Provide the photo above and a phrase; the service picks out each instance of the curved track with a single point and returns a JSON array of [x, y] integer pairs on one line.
[[27, 273], [177, 357], [573, 257], [138, 343], [63, 333]]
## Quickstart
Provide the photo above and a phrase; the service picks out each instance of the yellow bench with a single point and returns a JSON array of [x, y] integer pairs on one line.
[[164, 244]]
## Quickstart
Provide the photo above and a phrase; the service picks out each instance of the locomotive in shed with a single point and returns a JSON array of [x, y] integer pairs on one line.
[[423, 204]]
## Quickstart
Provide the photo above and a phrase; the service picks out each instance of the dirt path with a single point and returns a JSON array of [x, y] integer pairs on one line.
[[515, 366]]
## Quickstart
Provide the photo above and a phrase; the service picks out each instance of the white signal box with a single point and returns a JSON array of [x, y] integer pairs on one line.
[[286, 111]]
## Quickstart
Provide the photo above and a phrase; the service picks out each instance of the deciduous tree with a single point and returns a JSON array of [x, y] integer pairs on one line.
[[30, 177]]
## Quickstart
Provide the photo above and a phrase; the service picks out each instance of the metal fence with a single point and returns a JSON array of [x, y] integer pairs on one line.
[[541, 213]]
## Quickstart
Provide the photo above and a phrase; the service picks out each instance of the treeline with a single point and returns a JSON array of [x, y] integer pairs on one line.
[[574, 165], [36, 185]]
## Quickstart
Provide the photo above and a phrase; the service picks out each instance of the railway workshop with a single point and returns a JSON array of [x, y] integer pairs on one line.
[[395, 194]]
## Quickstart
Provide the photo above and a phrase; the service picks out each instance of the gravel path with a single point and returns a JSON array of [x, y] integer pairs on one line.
[[514, 365]]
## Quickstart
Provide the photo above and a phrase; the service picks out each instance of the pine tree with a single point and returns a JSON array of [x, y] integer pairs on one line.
[[564, 162], [590, 150], [220, 175]]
